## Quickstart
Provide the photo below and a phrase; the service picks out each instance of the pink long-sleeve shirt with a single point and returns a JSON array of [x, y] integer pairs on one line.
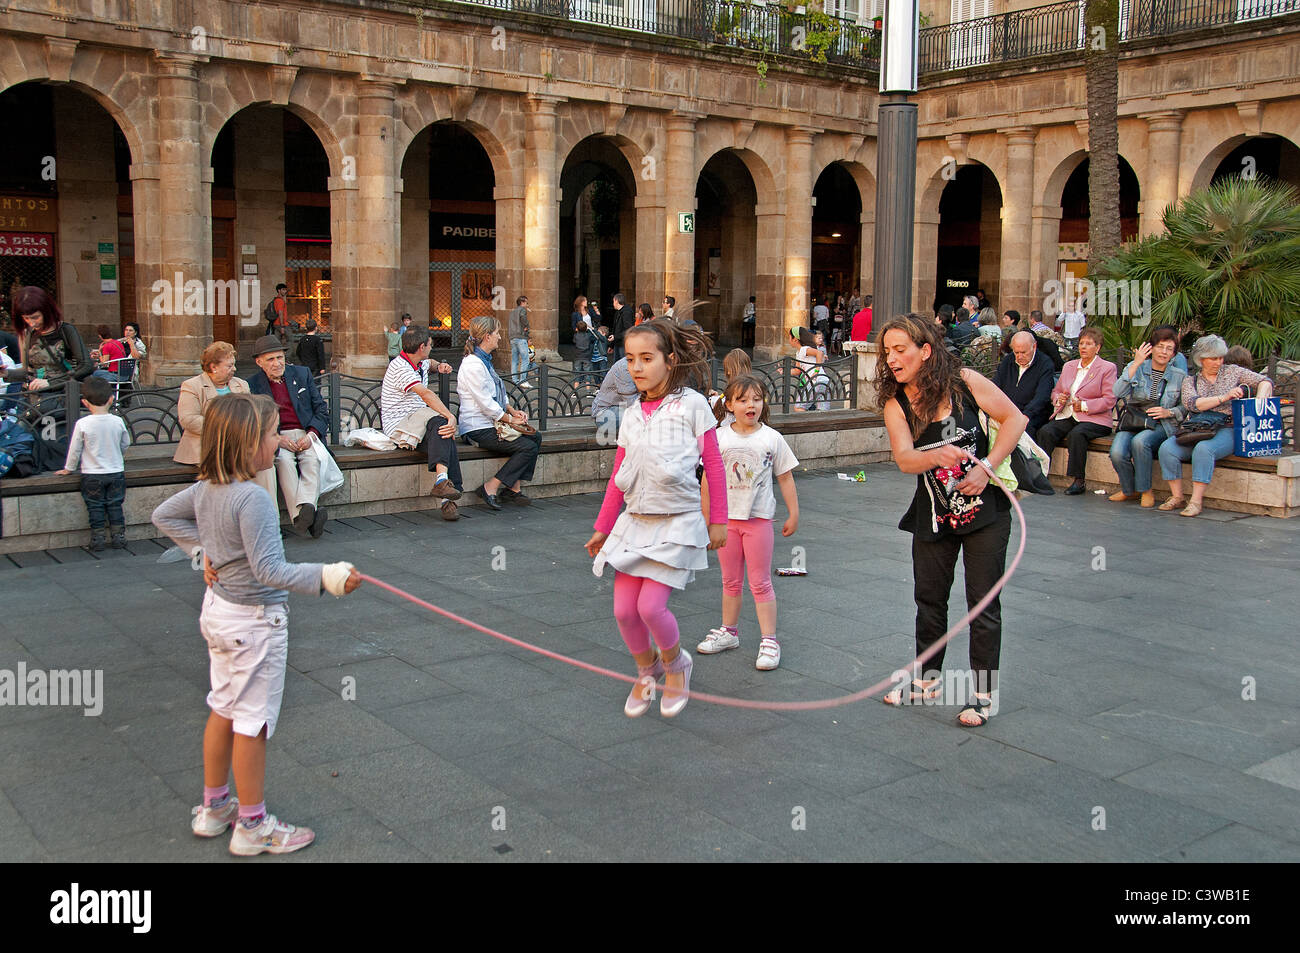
[[709, 453]]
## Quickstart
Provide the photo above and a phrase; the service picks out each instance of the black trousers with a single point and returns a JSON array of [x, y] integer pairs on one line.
[[984, 557], [522, 451], [103, 494], [1075, 435], [442, 450]]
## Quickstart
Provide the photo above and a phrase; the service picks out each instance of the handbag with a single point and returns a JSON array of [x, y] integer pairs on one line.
[[508, 432], [1192, 430], [1133, 418]]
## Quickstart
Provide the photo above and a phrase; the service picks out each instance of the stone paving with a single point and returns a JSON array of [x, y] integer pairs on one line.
[[1122, 693]]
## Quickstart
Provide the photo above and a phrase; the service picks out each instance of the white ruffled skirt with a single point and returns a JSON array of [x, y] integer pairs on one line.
[[667, 548]]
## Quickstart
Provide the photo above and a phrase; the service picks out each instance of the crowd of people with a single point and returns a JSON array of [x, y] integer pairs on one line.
[[1144, 409]]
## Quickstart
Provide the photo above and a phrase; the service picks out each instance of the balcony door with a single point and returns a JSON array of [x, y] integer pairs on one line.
[[972, 33]]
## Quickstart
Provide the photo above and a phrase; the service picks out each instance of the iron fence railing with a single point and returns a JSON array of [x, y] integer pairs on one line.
[[549, 394]]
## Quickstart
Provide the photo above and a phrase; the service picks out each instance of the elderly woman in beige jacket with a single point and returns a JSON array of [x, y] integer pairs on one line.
[[218, 377]]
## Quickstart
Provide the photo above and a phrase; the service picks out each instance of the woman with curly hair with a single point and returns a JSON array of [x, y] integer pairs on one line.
[[932, 410]]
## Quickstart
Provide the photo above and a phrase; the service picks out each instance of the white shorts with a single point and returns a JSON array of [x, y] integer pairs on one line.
[[248, 647]]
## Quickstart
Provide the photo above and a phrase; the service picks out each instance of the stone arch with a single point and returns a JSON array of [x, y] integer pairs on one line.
[[481, 116], [577, 126], [312, 98], [759, 168], [1210, 160], [103, 75]]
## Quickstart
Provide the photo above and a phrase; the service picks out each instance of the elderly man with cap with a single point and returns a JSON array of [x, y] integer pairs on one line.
[[304, 417]]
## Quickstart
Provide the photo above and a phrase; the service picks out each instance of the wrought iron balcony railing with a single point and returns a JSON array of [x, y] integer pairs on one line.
[[783, 31]]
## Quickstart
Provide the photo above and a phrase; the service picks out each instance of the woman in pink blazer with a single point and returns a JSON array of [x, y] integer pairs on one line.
[[1082, 402]]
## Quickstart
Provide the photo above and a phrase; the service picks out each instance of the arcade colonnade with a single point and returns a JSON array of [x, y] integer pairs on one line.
[[171, 106]]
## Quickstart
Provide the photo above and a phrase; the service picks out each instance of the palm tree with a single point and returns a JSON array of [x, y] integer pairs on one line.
[[1101, 70], [1228, 264]]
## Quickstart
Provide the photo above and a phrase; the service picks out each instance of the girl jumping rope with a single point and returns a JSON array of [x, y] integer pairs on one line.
[[245, 617], [752, 454], [659, 542]]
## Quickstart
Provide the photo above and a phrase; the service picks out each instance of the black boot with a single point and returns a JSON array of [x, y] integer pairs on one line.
[[97, 540], [119, 536]]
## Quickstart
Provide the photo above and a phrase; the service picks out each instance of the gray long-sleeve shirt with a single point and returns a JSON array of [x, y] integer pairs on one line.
[[239, 530]]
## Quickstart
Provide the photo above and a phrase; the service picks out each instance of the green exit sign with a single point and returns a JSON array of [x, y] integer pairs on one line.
[[685, 222]]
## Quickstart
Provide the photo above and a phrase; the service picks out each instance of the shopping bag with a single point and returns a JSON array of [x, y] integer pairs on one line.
[[331, 477], [1257, 427]]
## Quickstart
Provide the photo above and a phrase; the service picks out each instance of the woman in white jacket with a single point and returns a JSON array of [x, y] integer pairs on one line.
[[485, 412]]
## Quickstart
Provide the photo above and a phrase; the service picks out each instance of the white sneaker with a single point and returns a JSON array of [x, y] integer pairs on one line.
[[718, 640], [272, 836], [769, 654], [213, 821]]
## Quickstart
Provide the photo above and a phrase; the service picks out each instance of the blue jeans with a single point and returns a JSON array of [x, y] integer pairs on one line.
[[1203, 455], [103, 494], [518, 359], [1133, 457]]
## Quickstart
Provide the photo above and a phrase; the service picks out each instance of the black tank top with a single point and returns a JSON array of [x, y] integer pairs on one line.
[[937, 508]]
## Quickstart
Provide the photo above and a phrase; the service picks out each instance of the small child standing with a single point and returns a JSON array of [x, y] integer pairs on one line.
[[245, 617], [659, 542], [96, 448], [752, 453]]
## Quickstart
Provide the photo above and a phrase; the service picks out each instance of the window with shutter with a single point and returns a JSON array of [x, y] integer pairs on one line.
[[970, 41]]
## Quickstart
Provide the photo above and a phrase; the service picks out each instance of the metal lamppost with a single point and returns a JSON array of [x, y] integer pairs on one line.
[[896, 162]]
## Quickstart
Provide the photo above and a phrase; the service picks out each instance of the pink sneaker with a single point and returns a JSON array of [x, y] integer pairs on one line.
[[272, 836], [643, 690], [213, 821]]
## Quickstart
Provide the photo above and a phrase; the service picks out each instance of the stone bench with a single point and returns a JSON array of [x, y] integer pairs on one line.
[[46, 511], [1262, 486]]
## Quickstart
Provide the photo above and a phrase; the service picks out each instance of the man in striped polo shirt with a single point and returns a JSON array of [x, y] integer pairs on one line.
[[408, 405]]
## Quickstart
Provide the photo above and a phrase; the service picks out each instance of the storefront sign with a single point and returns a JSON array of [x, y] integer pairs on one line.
[[28, 213], [26, 244], [449, 230]]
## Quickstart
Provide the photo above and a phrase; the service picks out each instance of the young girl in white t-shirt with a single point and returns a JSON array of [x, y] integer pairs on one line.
[[752, 454], [659, 541]]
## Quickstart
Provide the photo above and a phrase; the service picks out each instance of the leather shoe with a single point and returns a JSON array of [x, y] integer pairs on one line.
[[302, 523], [446, 490], [450, 512], [318, 523], [1075, 488], [489, 498], [507, 495]]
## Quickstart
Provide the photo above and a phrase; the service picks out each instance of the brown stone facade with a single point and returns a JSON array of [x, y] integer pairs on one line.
[[368, 79]]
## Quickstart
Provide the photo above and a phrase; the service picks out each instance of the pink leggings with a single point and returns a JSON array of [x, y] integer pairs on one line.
[[749, 543], [641, 610]]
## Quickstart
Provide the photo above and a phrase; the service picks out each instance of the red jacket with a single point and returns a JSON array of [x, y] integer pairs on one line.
[[861, 325]]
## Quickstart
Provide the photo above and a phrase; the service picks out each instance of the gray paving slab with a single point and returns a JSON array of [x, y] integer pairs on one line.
[[1237, 841], [1268, 807]]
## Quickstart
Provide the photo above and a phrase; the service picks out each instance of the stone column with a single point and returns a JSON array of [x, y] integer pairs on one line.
[[541, 229], [1045, 265], [259, 202], [650, 247], [1160, 186], [1015, 283], [679, 196], [770, 337], [87, 211], [867, 250], [414, 290], [366, 297], [184, 218], [925, 261], [508, 278], [798, 301]]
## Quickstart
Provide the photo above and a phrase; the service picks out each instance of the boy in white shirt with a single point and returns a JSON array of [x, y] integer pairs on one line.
[[100, 439]]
